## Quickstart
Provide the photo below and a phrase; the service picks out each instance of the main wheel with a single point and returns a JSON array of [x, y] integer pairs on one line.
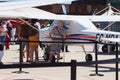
[[88, 57], [105, 48]]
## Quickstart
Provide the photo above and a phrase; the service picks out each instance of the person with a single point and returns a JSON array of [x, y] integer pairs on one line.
[[8, 35], [39, 27], [13, 34], [1, 54], [16, 24], [45, 24], [56, 34], [3, 32], [98, 26], [23, 35], [66, 48], [33, 36]]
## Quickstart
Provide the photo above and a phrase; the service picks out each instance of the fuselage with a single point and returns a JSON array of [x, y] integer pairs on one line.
[[81, 32]]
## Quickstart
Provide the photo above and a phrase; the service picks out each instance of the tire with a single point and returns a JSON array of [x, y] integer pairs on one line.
[[112, 48], [105, 48], [88, 57]]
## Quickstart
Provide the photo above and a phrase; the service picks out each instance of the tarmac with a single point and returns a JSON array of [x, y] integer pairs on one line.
[[59, 73]]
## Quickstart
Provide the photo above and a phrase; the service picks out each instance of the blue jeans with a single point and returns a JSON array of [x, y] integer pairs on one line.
[[2, 38]]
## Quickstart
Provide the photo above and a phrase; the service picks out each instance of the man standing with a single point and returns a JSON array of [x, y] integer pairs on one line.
[[23, 36], [57, 34]]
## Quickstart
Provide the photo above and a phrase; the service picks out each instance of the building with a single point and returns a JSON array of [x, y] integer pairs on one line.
[[82, 7]]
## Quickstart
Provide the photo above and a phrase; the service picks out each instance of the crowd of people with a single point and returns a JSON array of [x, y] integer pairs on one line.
[[27, 32], [8, 29]]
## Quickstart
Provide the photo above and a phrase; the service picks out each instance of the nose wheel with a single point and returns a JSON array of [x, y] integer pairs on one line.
[[88, 57]]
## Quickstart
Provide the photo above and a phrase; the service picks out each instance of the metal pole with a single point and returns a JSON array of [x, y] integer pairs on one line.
[[73, 69], [117, 62], [20, 57], [96, 65], [96, 58], [20, 60]]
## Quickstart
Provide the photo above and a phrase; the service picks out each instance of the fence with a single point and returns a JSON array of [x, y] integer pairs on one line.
[[73, 64]]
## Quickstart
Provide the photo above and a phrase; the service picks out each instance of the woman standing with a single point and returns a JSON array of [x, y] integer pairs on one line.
[[3, 32], [8, 35], [33, 38]]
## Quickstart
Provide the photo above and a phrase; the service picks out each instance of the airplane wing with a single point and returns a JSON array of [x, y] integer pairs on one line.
[[9, 9], [41, 14], [115, 18], [32, 13], [96, 18], [11, 14], [28, 3], [26, 13]]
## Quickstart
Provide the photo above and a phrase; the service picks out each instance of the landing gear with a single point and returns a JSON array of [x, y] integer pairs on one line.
[[105, 48], [88, 57]]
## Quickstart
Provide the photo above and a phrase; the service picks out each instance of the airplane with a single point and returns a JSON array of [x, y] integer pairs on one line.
[[79, 28]]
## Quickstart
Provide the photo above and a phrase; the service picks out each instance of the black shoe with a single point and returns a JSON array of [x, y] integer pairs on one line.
[[67, 51]]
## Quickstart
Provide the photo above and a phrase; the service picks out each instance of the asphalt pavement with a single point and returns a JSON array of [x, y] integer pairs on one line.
[[108, 71]]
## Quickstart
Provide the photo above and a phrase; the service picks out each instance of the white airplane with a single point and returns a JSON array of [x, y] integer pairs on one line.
[[79, 28]]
